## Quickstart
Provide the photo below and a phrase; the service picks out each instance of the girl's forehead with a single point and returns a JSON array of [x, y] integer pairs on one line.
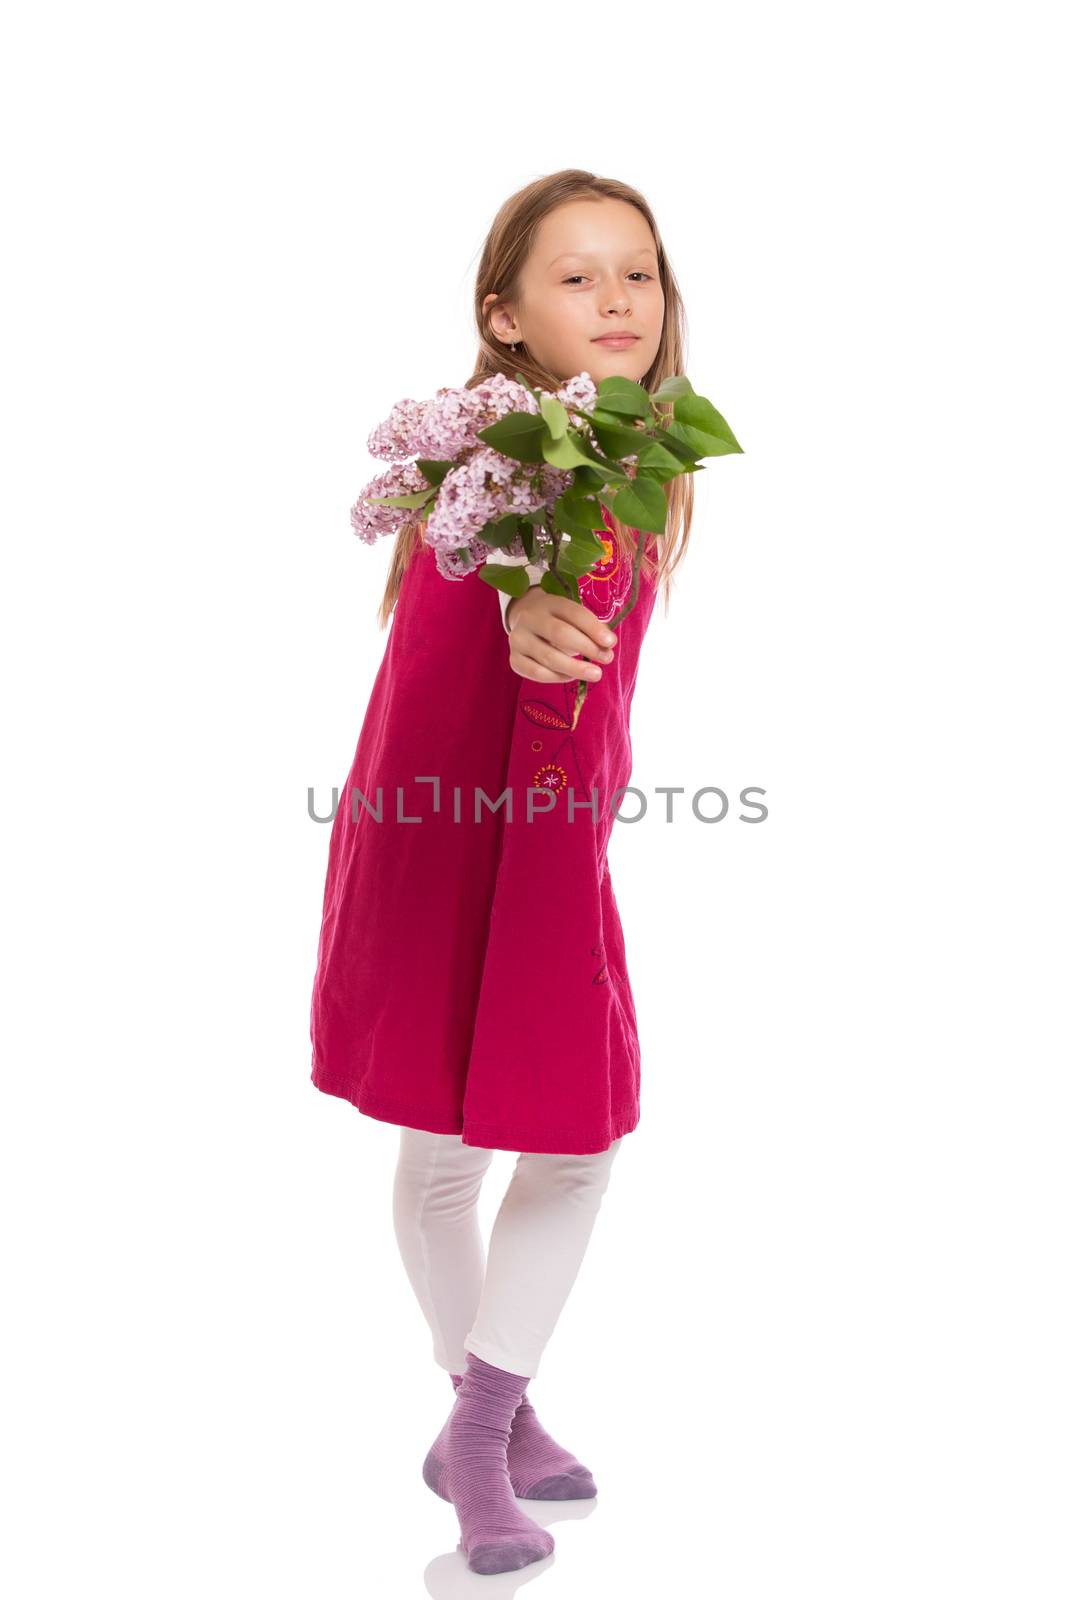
[[591, 227], [605, 249]]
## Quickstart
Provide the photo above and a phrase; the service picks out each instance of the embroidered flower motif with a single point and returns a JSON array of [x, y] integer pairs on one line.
[[550, 776], [605, 588]]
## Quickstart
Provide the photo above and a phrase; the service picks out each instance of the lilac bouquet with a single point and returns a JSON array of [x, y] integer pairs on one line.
[[506, 467]]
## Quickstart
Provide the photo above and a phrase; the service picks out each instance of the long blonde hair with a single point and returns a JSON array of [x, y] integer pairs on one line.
[[504, 254]]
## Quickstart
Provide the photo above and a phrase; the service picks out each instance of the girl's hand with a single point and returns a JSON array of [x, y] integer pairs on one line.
[[548, 631]]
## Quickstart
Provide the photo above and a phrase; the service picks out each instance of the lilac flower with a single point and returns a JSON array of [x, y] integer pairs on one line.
[[374, 522], [485, 487], [481, 484], [579, 391], [442, 428], [395, 438], [451, 563]]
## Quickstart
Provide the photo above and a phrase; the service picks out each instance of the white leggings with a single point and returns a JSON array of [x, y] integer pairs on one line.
[[504, 1309]]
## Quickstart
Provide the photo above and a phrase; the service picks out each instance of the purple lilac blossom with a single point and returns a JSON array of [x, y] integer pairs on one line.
[[485, 487], [579, 391], [442, 428], [481, 486], [371, 523], [452, 564], [395, 438]]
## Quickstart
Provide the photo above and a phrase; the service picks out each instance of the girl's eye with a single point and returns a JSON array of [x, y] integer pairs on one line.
[[576, 275]]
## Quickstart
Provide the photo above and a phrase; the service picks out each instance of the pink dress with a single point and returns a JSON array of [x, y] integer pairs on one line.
[[471, 974]]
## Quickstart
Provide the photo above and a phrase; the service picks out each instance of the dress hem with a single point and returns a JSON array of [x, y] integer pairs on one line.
[[484, 1136]]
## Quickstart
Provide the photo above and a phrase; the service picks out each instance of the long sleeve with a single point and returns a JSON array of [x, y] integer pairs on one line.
[[534, 571]]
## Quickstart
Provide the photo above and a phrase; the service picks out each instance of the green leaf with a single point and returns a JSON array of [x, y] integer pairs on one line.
[[612, 419], [653, 457], [573, 591], [623, 397], [704, 444], [530, 542], [575, 512], [696, 412], [615, 438], [671, 438], [642, 505], [665, 474], [591, 479], [672, 389], [557, 581], [518, 435], [555, 414], [564, 453], [512, 580], [434, 471], [501, 531], [579, 554], [414, 501]]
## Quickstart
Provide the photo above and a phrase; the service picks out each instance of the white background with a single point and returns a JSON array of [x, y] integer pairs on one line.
[[816, 1347]]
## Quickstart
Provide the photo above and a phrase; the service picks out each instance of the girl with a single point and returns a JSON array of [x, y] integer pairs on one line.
[[471, 983]]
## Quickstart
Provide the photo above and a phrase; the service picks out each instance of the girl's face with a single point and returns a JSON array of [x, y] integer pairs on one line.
[[591, 272]]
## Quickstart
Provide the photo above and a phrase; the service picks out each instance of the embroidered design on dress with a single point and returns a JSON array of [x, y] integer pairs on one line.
[[550, 776], [546, 716], [605, 588], [561, 767]]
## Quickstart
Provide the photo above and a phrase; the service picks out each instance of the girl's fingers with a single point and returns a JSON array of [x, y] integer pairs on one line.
[[562, 635], [559, 645], [560, 652], [554, 645], [553, 666]]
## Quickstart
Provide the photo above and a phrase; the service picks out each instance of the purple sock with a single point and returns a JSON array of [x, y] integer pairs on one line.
[[539, 1468], [468, 1465]]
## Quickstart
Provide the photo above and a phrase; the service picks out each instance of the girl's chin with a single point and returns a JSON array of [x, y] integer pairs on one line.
[[600, 364], [621, 367]]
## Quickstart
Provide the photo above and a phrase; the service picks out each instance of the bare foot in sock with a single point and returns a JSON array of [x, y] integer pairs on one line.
[[468, 1465], [539, 1468]]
